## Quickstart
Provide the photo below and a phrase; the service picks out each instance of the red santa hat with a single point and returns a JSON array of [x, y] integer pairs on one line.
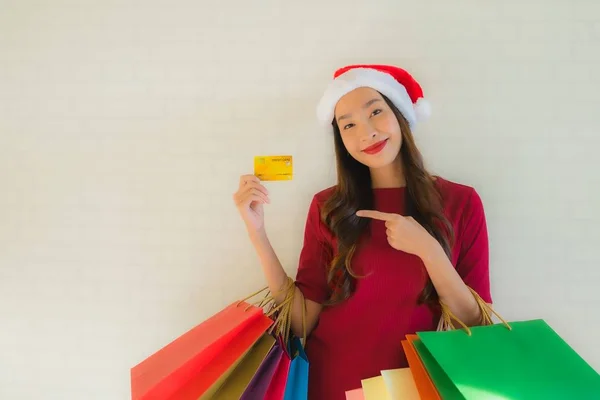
[[393, 82]]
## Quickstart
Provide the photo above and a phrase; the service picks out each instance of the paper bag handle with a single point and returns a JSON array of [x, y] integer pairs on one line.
[[486, 312]]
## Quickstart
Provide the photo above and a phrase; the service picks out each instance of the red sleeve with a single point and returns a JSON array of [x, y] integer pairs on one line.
[[315, 257], [473, 259]]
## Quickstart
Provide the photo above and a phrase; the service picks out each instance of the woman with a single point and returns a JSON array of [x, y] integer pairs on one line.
[[385, 245]]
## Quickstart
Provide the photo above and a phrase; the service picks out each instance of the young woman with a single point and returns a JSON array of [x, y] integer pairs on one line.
[[385, 245]]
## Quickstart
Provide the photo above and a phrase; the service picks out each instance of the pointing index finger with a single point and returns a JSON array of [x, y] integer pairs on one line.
[[377, 215]]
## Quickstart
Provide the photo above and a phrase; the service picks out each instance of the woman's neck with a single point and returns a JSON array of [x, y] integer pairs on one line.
[[390, 176]]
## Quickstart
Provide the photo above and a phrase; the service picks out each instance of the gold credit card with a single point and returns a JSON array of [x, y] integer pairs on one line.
[[273, 168]]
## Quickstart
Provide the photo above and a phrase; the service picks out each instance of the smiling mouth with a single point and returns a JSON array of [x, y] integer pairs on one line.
[[376, 148]]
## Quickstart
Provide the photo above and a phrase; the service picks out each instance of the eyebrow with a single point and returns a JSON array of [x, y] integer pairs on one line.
[[367, 104]]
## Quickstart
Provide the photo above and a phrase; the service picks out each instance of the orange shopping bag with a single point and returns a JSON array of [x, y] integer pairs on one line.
[[196, 363], [425, 386]]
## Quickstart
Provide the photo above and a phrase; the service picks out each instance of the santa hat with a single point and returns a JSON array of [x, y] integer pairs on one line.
[[393, 82]]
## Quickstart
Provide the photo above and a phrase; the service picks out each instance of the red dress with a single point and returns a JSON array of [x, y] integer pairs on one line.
[[360, 337]]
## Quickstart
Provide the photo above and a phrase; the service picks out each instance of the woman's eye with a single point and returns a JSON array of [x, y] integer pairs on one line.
[[348, 126], [378, 111]]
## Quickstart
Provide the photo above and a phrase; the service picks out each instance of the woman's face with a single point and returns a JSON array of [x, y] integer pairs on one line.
[[369, 128]]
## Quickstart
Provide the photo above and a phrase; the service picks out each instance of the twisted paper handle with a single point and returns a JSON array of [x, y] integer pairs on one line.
[[448, 316], [281, 312]]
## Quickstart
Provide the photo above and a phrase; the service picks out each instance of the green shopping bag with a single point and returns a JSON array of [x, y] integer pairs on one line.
[[506, 361]]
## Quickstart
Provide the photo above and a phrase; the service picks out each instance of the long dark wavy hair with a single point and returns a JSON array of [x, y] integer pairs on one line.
[[353, 192]]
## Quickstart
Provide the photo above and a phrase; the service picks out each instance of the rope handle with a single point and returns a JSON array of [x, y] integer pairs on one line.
[[486, 313], [269, 297], [304, 311], [283, 320], [281, 313]]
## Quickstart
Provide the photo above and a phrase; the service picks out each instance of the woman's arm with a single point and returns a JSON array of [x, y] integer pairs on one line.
[[277, 280], [451, 288], [249, 199], [472, 269], [472, 266]]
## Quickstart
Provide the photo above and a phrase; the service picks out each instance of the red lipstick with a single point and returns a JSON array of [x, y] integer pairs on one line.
[[376, 148]]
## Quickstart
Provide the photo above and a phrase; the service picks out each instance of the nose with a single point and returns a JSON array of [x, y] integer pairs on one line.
[[368, 132]]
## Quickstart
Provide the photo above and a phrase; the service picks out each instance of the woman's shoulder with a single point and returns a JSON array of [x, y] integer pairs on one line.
[[454, 189], [323, 195], [319, 199], [316, 219], [459, 197]]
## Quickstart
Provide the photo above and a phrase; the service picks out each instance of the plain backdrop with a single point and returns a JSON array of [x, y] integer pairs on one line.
[[125, 125]]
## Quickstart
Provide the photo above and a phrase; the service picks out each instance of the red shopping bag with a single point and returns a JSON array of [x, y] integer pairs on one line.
[[195, 363], [276, 389]]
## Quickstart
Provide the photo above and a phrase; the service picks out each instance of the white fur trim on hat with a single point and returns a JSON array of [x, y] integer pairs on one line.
[[367, 77], [422, 109]]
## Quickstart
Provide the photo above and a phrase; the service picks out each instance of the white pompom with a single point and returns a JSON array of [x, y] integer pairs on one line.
[[422, 109]]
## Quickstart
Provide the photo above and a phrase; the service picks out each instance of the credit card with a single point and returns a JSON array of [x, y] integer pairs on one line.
[[273, 168]]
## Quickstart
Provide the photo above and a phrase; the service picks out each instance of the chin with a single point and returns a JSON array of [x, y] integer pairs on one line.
[[380, 160], [376, 162]]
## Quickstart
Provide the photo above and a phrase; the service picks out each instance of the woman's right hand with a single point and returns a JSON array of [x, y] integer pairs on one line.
[[249, 200]]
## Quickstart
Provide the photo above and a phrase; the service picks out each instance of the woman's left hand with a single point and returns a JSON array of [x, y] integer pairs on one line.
[[404, 233]]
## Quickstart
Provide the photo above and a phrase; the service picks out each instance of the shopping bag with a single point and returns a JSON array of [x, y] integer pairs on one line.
[[423, 383], [374, 389], [238, 381], [516, 360], [356, 394], [198, 362], [442, 385], [258, 386], [296, 387], [392, 384], [400, 384], [276, 389]]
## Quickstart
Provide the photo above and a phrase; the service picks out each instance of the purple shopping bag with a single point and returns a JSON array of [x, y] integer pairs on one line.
[[262, 379]]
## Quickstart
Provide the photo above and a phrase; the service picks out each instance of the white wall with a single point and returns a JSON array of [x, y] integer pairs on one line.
[[119, 123]]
